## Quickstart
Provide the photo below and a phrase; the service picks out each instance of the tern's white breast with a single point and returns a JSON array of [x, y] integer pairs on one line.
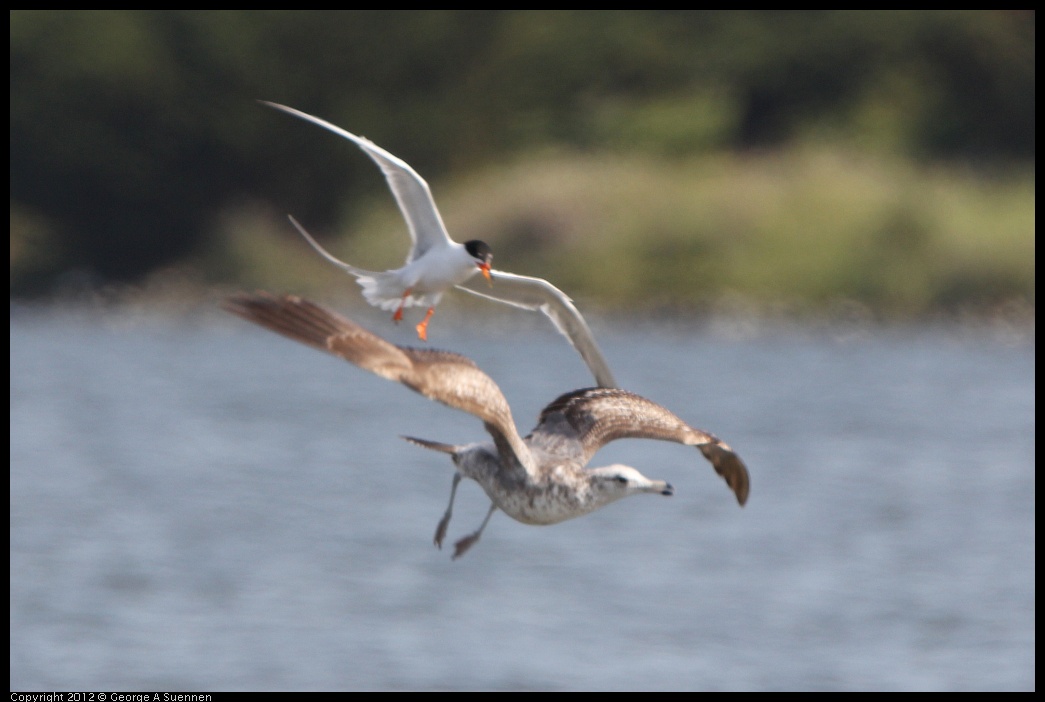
[[439, 269]]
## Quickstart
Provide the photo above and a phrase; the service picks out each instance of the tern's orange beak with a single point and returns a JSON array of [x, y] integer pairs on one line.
[[485, 268]]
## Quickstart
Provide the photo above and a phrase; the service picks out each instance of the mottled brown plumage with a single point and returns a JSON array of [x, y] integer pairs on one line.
[[601, 415], [542, 479]]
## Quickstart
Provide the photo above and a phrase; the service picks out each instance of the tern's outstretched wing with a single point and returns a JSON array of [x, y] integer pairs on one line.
[[538, 294], [428, 231], [410, 189]]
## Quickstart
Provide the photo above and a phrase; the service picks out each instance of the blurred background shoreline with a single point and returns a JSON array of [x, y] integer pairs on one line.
[[786, 164]]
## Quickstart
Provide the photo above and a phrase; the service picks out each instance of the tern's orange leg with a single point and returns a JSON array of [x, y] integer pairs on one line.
[[422, 328], [398, 316]]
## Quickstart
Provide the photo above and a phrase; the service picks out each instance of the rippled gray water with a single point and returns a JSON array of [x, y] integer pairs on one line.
[[204, 505]]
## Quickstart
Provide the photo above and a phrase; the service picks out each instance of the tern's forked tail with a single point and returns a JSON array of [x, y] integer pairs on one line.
[[347, 267]]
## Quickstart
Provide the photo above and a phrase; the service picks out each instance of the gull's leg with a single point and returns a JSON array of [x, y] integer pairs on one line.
[[422, 328], [398, 316], [467, 542], [440, 531]]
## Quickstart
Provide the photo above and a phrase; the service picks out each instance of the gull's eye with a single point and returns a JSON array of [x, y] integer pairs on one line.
[[621, 479]]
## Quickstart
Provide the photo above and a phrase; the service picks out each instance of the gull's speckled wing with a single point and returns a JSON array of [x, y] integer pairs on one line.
[[593, 417], [449, 378]]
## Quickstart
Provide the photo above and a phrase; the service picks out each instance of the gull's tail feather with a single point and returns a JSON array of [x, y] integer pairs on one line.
[[434, 445]]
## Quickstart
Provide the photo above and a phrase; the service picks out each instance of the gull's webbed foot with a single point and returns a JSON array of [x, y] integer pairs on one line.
[[462, 546]]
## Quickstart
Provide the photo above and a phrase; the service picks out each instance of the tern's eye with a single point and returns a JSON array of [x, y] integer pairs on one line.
[[621, 479]]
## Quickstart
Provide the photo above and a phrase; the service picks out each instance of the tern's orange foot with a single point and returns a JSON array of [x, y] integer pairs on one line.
[[422, 328], [398, 316]]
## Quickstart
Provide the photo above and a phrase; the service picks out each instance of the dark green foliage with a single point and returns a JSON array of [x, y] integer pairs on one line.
[[131, 130]]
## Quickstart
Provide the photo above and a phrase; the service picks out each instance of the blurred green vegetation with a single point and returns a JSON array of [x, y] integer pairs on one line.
[[794, 158]]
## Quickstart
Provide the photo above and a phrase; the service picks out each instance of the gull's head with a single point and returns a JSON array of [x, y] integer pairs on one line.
[[483, 255], [617, 481]]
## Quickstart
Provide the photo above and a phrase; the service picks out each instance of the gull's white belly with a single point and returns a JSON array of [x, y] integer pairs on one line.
[[542, 504]]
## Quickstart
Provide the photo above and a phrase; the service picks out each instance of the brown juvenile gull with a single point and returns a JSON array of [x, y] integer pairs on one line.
[[436, 262], [539, 479]]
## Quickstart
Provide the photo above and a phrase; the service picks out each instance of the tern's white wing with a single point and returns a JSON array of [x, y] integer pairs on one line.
[[538, 294], [410, 190]]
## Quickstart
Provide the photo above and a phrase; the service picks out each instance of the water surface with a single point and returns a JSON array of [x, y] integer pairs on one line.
[[202, 505]]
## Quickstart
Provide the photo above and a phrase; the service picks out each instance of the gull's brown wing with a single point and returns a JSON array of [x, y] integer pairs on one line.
[[446, 377], [596, 416]]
